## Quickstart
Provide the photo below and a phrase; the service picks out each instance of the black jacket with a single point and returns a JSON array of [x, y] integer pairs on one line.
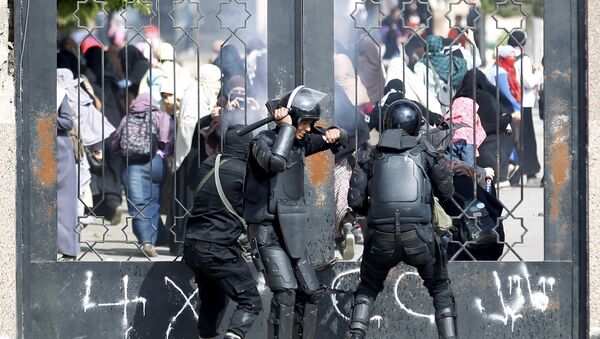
[[209, 220]]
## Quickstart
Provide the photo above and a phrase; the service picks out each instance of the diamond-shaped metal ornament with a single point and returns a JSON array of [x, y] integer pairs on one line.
[[151, 17], [422, 25], [233, 15], [180, 6], [454, 10], [361, 17], [502, 23], [80, 4]]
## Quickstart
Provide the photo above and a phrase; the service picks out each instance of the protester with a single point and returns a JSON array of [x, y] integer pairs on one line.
[[496, 115], [530, 77], [504, 76], [165, 70], [106, 184], [441, 73], [414, 88], [66, 183], [134, 66], [193, 122], [351, 103], [369, 68], [229, 62], [93, 129], [468, 133], [144, 139], [236, 106]]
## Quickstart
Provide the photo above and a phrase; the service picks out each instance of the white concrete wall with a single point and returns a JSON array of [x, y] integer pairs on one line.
[[594, 163]]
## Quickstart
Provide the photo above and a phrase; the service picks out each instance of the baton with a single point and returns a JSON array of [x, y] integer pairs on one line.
[[271, 106], [255, 125]]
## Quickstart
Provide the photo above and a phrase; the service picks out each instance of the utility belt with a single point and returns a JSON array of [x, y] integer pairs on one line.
[[391, 229]]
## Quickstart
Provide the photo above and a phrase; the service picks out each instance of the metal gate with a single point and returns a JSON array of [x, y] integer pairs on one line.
[[541, 295]]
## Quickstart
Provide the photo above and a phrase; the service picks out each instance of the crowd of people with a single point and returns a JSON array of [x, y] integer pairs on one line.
[[137, 124], [480, 117]]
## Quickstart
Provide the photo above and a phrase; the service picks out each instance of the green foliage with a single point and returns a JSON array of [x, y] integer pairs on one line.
[[89, 8], [510, 8]]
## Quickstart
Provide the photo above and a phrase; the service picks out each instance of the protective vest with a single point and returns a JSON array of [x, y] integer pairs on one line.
[[399, 189]]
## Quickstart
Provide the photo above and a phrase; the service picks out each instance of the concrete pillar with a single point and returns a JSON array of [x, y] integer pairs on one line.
[[593, 35], [8, 186]]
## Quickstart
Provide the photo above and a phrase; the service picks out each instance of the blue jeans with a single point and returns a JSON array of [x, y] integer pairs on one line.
[[143, 183]]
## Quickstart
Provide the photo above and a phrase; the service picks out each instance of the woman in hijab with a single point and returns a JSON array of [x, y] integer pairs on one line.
[[192, 125], [144, 177], [66, 183], [415, 88], [229, 62], [370, 69], [468, 133], [237, 107], [350, 96], [467, 139], [503, 74], [106, 186], [94, 128], [436, 71], [495, 117], [135, 66]]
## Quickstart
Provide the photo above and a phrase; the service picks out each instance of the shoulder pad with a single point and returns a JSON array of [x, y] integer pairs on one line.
[[427, 147], [268, 135]]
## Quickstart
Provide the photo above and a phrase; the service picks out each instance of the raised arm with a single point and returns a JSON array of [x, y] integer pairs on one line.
[[271, 150]]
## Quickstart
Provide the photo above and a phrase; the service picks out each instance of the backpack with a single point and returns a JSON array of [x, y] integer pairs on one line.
[[139, 140]]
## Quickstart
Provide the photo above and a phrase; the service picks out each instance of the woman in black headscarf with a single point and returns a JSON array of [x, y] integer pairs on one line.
[[135, 65], [395, 91], [230, 62], [106, 186], [495, 115]]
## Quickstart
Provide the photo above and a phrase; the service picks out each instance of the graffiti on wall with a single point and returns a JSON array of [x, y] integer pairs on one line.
[[127, 300], [513, 304], [523, 293], [513, 295]]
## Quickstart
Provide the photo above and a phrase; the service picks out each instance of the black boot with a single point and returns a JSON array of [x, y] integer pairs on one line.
[[359, 323], [445, 320]]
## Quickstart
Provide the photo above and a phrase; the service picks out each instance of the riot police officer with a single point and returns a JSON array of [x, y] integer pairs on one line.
[[394, 187], [275, 210]]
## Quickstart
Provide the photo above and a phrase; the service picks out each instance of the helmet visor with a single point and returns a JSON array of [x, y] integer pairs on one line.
[[305, 99]]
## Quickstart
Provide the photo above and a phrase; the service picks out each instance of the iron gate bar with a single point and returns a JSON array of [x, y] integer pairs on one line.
[[581, 255]]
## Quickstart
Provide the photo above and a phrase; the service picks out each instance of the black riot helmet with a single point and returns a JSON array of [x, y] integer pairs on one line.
[[303, 103], [405, 115]]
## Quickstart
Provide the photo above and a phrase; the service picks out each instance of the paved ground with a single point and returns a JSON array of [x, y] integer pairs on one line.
[[524, 229]]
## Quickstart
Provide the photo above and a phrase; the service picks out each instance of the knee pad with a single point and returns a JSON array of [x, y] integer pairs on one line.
[[314, 297]]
